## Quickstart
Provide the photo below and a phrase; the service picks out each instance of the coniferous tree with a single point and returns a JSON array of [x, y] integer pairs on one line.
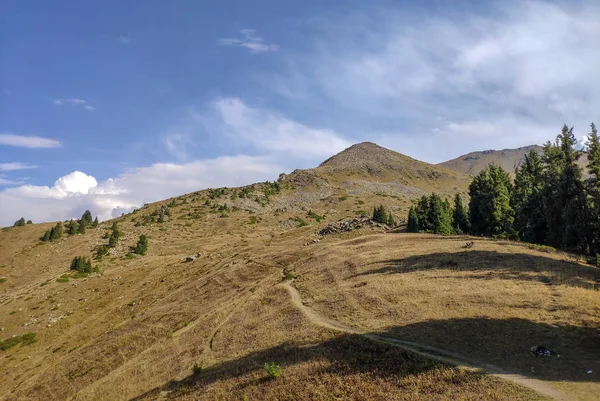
[[593, 190], [86, 218], [29, 222], [142, 246], [439, 215], [56, 231], [422, 211], [46, 236], [391, 221], [489, 208], [460, 219], [81, 227], [379, 214], [564, 196], [413, 221], [95, 223], [527, 200], [73, 227]]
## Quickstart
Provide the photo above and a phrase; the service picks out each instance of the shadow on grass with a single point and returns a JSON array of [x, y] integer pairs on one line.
[[342, 356], [492, 264], [503, 343]]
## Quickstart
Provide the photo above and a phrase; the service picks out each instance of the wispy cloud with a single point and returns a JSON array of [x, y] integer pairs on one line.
[[124, 40], [506, 77], [28, 141], [4, 181], [15, 166], [250, 40], [74, 102]]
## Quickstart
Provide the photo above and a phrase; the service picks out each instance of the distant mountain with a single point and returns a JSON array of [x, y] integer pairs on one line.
[[509, 159]]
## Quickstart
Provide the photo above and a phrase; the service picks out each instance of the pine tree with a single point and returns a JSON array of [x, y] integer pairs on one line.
[[489, 208], [422, 211], [95, 223], [527, 200], [439, 215], [29, 222], [81, 227], [46, 236], [56, 231], [565, 200], [391, 221], [379, 214], [86, 218], [142, 246], [593, 191], [413, 221], [20, 222], [113, 240], [460, 220], [73, 227]]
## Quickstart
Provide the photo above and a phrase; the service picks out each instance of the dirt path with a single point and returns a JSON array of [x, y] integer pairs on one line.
[[425, 350]]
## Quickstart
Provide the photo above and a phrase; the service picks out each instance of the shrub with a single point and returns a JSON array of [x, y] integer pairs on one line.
[[253, 220], [273, 370], [29, 222], [196, 369], [63, 279], [19, 223]]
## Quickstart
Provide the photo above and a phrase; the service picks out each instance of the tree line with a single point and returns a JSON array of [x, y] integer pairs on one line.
[[549, 202], [73, 227]]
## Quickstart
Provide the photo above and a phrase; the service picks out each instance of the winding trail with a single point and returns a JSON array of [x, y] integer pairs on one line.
[[425, 350]]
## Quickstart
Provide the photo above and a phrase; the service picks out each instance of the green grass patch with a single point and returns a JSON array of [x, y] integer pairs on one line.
[[315, 216], [25, 339], [63, 279], [301, 223], [2, 280]]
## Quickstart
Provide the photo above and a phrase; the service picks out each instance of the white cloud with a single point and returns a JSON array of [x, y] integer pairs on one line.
[[72, 194], [269, 132], [15, 166], [28, 141], [124, 40], [249, 40], [510, 75], [74, 102], [4, 181]]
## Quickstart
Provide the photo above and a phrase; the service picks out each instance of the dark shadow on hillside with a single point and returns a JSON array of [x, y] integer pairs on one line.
[[344, 355], [491, 264], [504, 343]]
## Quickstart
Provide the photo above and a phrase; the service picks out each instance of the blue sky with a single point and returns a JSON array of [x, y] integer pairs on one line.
[[108, 105]]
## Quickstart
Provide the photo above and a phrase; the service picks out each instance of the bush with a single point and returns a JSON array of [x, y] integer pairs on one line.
[[273, 370], [196, 369], [19, 223], [29, 222]]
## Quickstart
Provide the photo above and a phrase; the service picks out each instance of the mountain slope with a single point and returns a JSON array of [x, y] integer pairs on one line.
[[161, 327], [509, 159]]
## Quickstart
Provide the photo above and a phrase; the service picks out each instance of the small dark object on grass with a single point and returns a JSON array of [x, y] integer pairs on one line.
[[469, 244], [540, 350]]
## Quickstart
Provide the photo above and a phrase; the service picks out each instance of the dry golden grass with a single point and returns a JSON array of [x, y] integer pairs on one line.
[[137, 328]]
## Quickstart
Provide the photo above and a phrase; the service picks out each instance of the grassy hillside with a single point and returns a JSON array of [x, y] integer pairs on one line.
[[370, 314]]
